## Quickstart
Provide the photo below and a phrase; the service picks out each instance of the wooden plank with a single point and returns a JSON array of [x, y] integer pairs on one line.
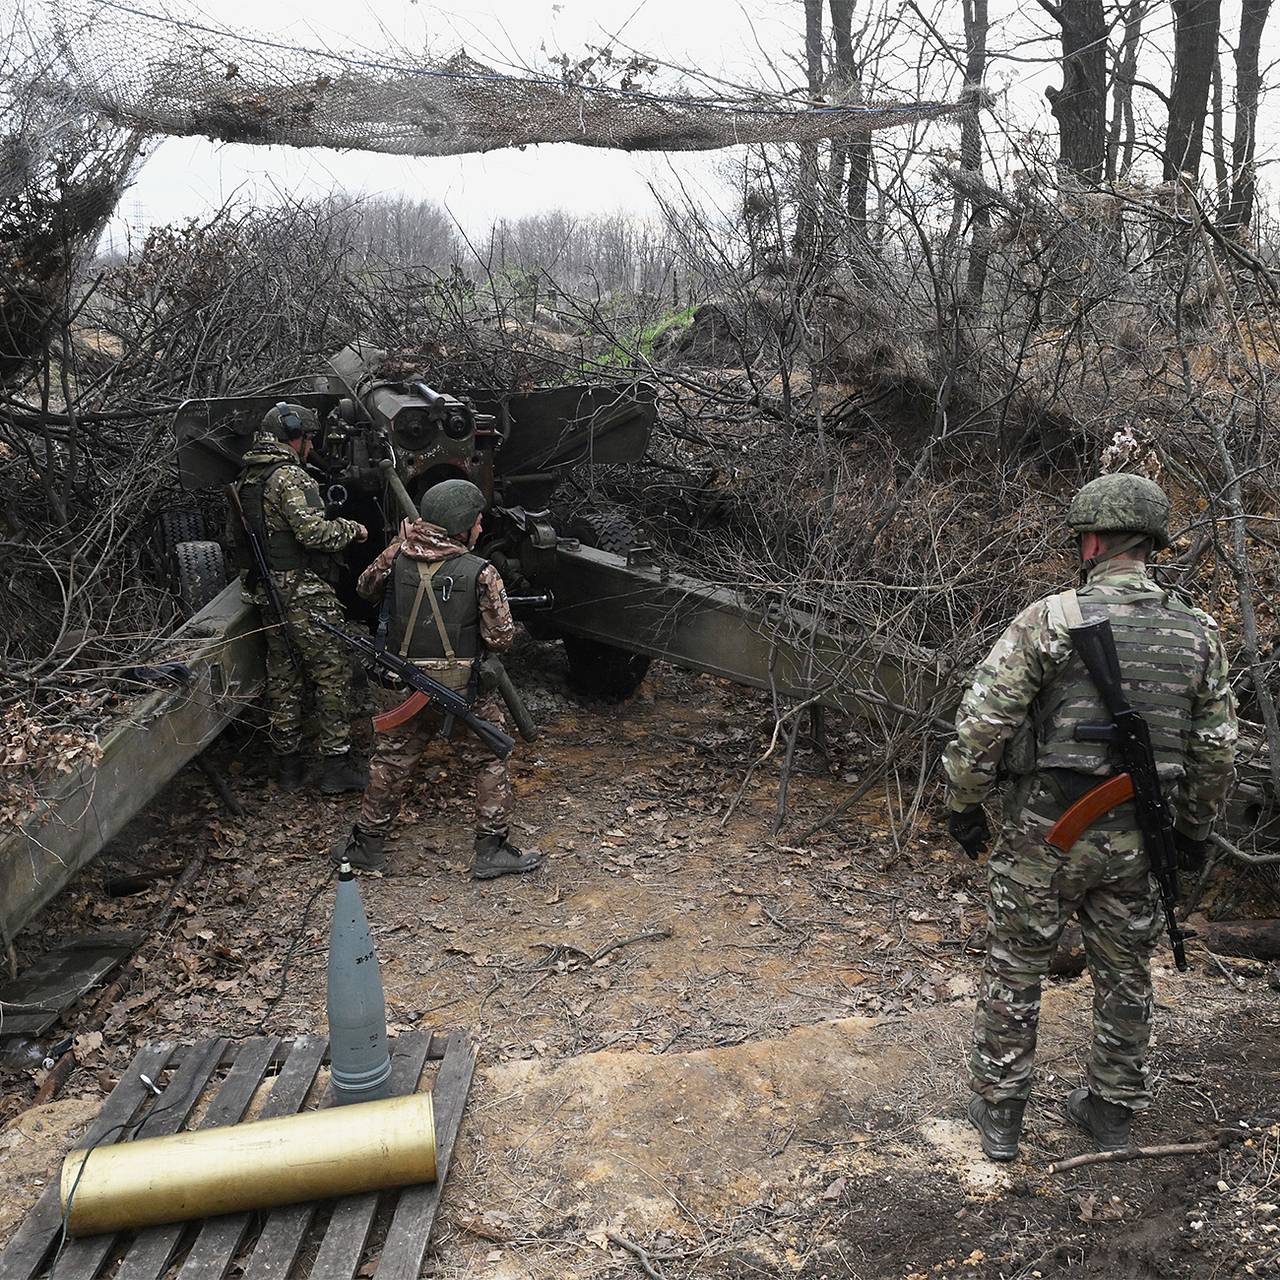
[[26, 1251], [282, 1236], [150, 1253], [439, 1043], [219, 1240], [352, 1219], [82, 1259], [415, 1215]]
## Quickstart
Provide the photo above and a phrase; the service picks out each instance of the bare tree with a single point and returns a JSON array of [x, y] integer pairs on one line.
[[1253, 18], [1195, 45], [807, 218], [1121, 135], [1080, 105], [975, 38], [848, 79]]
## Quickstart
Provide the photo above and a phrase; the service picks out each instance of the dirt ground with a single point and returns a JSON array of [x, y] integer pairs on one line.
[[736, 1056]]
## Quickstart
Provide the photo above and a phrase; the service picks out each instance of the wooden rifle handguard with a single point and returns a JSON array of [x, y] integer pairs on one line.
[[1087, 810]]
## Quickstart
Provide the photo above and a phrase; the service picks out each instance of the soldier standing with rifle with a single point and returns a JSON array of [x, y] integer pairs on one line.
[[287, 550], [442, 608], [1110, 707]]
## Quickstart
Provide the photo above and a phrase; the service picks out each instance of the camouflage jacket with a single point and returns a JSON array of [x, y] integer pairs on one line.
[[1033, 652], [291, 500], [420, 540]]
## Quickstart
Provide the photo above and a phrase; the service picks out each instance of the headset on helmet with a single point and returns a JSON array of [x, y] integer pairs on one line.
[[288, 422]]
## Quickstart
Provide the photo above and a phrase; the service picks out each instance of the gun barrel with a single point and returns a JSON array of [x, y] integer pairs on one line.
[[398, 491]]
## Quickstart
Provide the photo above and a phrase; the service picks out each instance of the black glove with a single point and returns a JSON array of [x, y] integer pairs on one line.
[[1191, 853], [968, 828]]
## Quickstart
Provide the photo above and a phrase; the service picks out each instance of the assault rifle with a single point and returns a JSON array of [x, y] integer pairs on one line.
[[1129, 734], [452, 704], [261, 572]]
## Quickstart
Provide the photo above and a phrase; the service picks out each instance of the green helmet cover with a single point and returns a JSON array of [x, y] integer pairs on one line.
[[1121, 503], [452, 504], [278, 420]]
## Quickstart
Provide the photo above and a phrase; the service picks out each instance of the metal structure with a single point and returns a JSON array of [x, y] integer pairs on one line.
[[388, 436], [219, 675]]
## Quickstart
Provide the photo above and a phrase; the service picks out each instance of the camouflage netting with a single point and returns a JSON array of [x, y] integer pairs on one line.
[[173, 72]]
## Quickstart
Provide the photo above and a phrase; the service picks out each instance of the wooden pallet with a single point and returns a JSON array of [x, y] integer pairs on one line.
[[326, 1240]]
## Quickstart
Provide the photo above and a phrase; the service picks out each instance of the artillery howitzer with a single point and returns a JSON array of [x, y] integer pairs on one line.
[[387, 436]]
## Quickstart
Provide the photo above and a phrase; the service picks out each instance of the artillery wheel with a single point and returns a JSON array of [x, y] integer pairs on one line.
[[201, 571], [596, 669], [177, 525]]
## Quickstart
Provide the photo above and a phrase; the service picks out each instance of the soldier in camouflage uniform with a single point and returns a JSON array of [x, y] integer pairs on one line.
[[282, 504], [443, 607], [1019, 717]]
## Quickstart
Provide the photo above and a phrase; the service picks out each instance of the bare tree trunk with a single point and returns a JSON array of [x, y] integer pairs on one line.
[[848, 76], [975, 39], [1122, 92], [1221, 185], [1080, 106], [1195, 43], [1253, 18], [807, 196]]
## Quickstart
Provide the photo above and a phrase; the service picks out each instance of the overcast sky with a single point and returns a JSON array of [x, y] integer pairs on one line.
[[734, 39], [188, 176]]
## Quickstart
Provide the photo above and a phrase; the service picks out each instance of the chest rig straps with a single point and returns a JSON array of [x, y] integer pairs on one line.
[[426, 572]]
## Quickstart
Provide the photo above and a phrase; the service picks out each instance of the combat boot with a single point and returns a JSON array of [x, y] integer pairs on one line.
[[999, 1124], [365, 850], [289, 770], [1107, 1123], [341, 773], [497, 856]]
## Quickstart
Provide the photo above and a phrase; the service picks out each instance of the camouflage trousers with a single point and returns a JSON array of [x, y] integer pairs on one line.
[[396, 755], [1034, 890], [324, 665]]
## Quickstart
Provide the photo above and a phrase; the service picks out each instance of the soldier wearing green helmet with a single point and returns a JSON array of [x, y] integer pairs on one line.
[[282, 503], [1018, 720], [443, 607]]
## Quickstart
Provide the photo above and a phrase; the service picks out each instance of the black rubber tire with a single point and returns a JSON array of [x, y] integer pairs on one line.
[[201, 572], [605, 528], [596, 669], [177, 525]]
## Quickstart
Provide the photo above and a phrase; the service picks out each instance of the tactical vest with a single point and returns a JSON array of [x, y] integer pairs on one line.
[[434, 608], [1163, 651], [282, 549]]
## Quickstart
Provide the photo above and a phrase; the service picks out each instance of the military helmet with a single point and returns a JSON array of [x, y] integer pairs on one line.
[[452, 504], [290, 421], [1121, 503]]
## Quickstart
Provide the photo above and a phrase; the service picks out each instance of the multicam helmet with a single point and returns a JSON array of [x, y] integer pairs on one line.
[[1121, 503], [452, 504], [290, 421]]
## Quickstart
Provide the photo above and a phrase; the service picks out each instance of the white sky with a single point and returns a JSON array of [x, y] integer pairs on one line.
[[187, 176], [730, 38]]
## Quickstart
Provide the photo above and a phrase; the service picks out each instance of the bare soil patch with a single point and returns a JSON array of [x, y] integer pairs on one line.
[[763, 1074]]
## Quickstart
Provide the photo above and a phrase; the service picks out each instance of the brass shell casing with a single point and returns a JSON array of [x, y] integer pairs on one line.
[[367, 1146]]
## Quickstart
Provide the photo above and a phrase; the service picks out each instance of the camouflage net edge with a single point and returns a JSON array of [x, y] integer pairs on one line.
[[167, 72]]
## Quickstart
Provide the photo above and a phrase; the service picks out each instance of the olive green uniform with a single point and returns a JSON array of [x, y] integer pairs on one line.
[[282, 502]]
